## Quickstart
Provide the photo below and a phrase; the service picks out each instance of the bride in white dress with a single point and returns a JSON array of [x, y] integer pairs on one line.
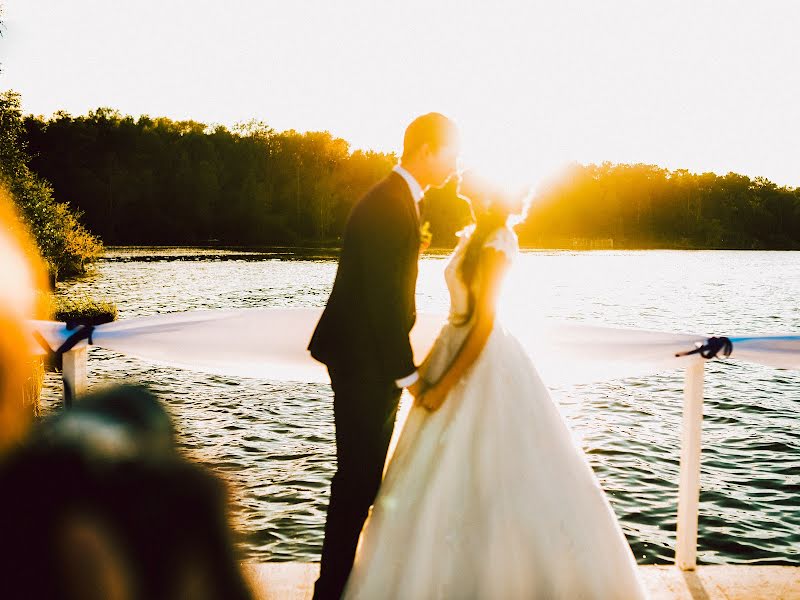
[[486, 495]]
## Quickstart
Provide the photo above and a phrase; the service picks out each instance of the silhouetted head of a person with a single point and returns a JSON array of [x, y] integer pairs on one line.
[[98, 504], [431, 146]]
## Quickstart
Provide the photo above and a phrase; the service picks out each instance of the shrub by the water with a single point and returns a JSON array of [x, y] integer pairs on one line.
[[85, 310], [63, 242]]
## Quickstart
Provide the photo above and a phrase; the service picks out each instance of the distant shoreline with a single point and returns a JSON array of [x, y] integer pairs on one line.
[[335, 249]]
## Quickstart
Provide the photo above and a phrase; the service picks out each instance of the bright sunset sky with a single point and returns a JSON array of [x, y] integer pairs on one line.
[[699, 85]]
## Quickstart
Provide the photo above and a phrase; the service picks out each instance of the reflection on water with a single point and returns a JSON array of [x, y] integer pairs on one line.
[[274, 441]]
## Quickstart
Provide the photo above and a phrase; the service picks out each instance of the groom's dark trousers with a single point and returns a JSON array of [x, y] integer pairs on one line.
[[362, 337], [364, 411]]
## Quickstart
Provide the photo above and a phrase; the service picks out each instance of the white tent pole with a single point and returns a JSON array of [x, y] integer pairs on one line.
[[73, 373], [689, 487]]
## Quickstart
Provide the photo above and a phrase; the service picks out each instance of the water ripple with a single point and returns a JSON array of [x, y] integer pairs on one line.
[[274, 442]]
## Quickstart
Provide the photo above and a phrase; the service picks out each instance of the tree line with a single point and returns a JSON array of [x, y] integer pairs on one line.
[[645, 206], [159, 181]]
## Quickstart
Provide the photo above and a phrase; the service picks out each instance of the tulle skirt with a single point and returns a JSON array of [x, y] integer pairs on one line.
[[489, 497]]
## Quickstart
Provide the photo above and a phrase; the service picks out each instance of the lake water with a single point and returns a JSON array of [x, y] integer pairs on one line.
[[274, 441]]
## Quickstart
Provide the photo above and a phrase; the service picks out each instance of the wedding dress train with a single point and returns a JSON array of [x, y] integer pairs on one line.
[[488, 497]]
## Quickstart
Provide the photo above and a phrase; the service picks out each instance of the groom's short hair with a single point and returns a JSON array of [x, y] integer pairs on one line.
[[433, 129]]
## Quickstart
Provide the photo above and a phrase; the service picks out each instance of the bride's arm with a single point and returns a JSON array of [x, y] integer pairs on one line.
[[491, 268]]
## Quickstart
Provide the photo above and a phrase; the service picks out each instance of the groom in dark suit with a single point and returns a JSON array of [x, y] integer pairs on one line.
[[362, 335]]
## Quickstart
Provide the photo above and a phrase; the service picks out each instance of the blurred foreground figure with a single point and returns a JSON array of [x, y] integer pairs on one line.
[[96, 503], [22, 281]]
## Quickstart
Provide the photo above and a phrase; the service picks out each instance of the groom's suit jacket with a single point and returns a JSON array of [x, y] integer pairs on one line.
[[371, 310]]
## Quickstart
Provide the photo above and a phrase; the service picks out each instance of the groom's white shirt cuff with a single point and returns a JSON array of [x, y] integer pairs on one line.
[[408, 380]]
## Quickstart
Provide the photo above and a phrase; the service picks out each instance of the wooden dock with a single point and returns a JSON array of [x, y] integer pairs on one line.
[[295, 581]]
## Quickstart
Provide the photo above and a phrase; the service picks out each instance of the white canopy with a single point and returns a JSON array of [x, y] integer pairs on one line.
[[270, 343]]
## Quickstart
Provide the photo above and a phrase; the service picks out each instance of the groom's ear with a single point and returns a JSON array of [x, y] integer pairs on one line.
[[424, 151]]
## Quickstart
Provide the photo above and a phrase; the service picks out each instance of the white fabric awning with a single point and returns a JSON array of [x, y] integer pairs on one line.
[[270, 343]]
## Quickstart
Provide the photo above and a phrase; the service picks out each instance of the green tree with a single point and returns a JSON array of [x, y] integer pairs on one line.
[[64, 243], [155, 180]]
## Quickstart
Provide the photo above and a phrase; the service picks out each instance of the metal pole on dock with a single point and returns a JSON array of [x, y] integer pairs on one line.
[[689, 487], [73, 373]]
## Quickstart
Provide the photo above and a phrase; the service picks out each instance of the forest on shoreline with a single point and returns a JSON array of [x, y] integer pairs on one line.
[[156, 181]]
